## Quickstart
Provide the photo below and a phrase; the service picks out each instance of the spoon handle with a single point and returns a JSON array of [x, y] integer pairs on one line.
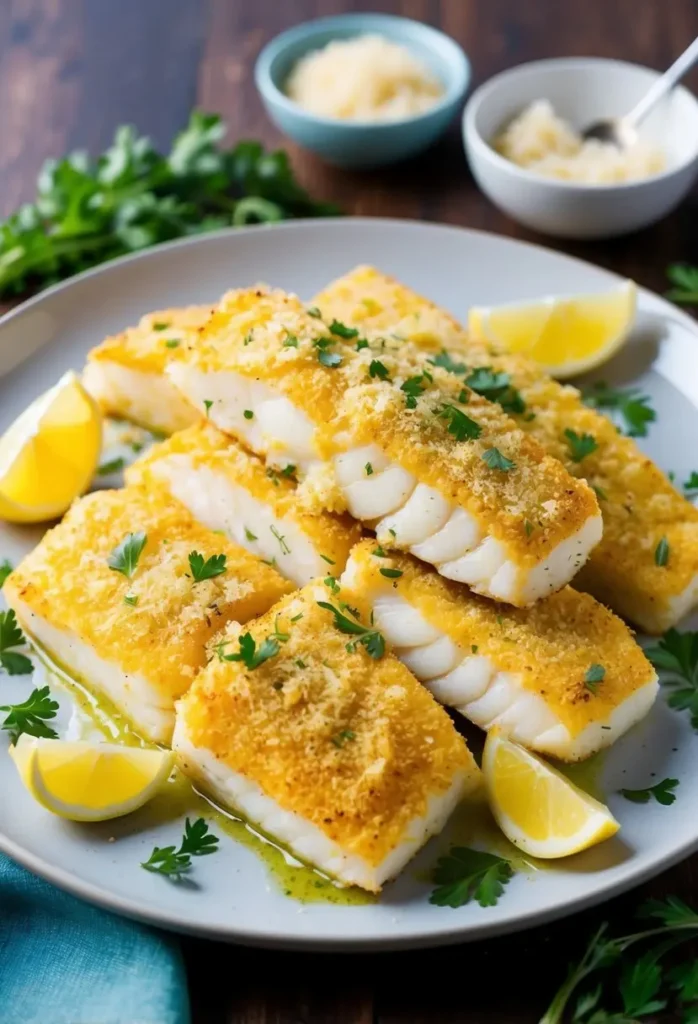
[[670, 77]]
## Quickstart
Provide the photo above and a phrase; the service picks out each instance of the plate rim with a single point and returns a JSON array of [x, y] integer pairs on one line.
[[268, 937]]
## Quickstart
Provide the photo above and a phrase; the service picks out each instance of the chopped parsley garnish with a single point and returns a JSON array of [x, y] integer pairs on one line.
[[361, 343], [249, 535], [131, 599], [446, 361], [413, 388], [391, 574], [290, 341], [677, 654], [326, 558], [369, 469], [342, 737], [31, 716], [331, 582], [314, 311], [161, 325], [342, 331], [690, 487], [113, 466], [528, 527], [599, 492], [125, 556], [206, 569], [580, 445], [172, 343], [5, 570], [329, 359], [247, 340], [496, 386], [279, 634], [285, 549], [465, 874], [460, 425], [631, 406], [248, 653], [685, 280], [495, 460], [378, 369], [661, 553], [248, 414], [297, 618], [595, 674], [172, 862], [662, 792], [379, 552], [207, 405], [300, 663], [371, 639]]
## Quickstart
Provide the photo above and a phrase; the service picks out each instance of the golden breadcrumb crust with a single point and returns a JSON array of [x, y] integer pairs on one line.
[[67, 581], [354, 745], [145, 347], [269, 336], [204, 445], [639, 505], [550, 646]]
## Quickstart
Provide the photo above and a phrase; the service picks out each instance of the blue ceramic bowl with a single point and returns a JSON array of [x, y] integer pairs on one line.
[[362, 143]]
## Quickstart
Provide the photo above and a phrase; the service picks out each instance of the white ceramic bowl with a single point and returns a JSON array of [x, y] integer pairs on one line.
[[581, 90]]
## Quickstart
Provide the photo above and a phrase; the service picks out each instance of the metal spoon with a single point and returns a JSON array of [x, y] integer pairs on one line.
[[622, 131]]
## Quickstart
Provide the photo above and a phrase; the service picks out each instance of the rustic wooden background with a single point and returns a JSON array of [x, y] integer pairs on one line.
[[70, 71]]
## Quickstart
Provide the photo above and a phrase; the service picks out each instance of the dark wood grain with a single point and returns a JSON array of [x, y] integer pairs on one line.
[[70, 71]]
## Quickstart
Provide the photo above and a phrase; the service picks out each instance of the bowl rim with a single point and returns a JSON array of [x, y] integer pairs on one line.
[[473, 138], [455, 86]]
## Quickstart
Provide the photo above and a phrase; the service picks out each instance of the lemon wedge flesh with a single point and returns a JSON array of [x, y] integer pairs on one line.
[[536, 807], [565, 336], [49, 454], [85, 781]]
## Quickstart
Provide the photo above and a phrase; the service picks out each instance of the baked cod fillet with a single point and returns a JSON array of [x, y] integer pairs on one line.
[[402, 445], [529, 672], [138, 640], [126, 373], [345, 760], [638, 503], [226, 488]]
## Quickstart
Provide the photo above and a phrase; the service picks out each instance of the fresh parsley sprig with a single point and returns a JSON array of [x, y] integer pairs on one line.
[[465, 874], [175, 862], [684, 278], [677, 654], [206, 568], [496, 386], [372, 640], [5, 570], [31, 716], [630, 404], [133, 197], [11, 661], [662, 792], [126, 555], [459, 425], [580, 445], [249, 654], [495, 460]]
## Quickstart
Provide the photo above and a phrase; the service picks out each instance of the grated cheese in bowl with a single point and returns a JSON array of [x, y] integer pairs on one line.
[[367, 78], [541, 141]]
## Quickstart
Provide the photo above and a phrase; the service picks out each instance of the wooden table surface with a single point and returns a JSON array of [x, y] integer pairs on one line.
[[70, 71]]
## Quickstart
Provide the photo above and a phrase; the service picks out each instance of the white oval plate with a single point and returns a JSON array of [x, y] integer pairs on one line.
[[235, 898]]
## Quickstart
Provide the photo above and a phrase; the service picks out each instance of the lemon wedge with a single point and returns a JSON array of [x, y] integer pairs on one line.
[[536, 807], [565, 336], [49, 454], [85, 781]]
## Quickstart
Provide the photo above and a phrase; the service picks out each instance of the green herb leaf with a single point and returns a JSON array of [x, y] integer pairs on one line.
[[206, 569], [685, 281], [197, 841], [341, 738], [630, 404], [172, 343], [639, 985], [580, 445], [248, 653], [466, 874], [496, 387], [290, 341], [495, 460], [131, 599], [114, 466], [285, 549], [677, 654], [331, 582], [661, 553], [31, 716], [369, 469], [161, 326], [460, 425], [5, 570], [248, 414], [371, 639], [391, 574], [378, 369], [446, 361], [326, 558], [690, 487], [595, 674], [413, 388], [125, 556], [663, 793], [342, 331], [249, 535], [12, 636], [207, 405], [379, 552], [314, 311]]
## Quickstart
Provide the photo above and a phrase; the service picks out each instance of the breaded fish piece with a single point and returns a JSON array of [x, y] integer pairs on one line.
[[527, 671], [138, 640], [228, 489], [404, 446], [126, 373], [345, 760], [638, 503]]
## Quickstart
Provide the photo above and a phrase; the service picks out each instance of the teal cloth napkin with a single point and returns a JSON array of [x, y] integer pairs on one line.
[[63, 961]]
